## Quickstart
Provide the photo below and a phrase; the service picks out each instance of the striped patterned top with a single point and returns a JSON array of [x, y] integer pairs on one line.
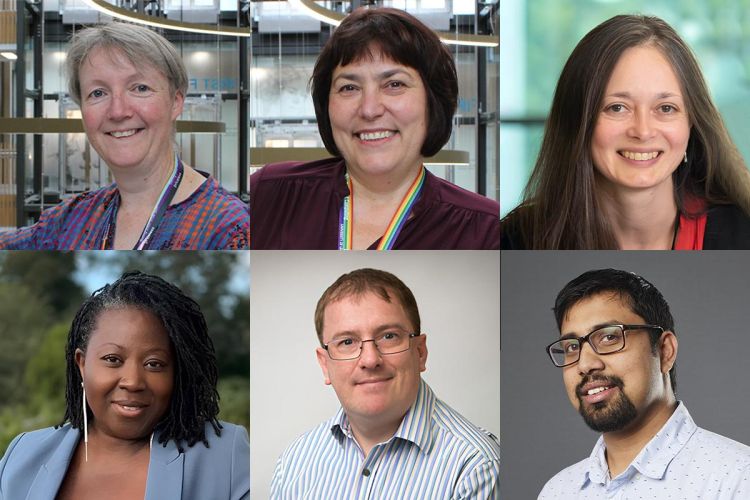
[[434, 454], [209, 219]]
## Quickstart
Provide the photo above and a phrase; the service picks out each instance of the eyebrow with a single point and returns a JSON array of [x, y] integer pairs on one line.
[[355, 77], [660, 95], [379, 329], [573, 335]]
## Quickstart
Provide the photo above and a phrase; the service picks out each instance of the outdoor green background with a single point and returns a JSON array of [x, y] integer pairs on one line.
[[40, 293]]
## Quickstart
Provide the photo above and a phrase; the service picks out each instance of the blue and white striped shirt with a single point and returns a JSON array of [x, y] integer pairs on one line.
[[434, 454]]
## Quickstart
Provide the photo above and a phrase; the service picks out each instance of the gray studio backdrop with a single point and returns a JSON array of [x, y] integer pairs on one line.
[[458, 295], [709, 295]]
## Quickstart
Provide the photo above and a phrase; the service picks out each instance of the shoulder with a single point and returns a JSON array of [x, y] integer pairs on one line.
[[30, 451], [463, 199], [295, 170], [727, 228], [481, 443], [310, 443], [721, 451], [221, 447], [566, 483]]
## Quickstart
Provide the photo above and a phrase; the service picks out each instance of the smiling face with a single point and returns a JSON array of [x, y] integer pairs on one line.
[[642, 129], [128, 372], [128, 113], [373, 386], [612, 391], [378, 114]]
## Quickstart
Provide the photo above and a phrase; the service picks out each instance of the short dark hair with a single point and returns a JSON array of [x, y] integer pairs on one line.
[[404, 39], [195, 400], [356, 283], [641, 296]]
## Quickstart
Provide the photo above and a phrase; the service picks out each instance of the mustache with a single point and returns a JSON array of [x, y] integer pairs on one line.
[[611, 380]]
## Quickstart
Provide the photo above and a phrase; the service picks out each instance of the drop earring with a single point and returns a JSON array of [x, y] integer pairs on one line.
[[85, 424], [685, 160]]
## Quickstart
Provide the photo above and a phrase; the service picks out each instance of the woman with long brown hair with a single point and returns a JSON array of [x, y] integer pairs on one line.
[[635, 154]]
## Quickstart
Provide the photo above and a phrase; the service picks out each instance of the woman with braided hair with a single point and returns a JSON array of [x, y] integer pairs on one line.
[[141, 415]]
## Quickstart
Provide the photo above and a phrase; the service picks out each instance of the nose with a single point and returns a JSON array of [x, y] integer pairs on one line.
[[641, 126], [119, 107], [371, 103], [131, 377], [370, 357], [589, 361]]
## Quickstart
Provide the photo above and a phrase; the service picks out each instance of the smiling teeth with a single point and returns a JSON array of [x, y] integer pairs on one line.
[[596, 390], [640, 156], [124, 133], [374, 136]]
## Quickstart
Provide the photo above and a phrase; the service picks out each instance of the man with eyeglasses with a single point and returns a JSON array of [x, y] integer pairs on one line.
[[617, 351], [392, 438]]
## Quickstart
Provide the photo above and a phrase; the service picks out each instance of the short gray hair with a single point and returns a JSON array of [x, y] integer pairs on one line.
[[140, 45]]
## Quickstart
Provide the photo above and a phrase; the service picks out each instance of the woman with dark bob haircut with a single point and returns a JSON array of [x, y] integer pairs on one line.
[[635, 155], [141, 396], [385, 90]]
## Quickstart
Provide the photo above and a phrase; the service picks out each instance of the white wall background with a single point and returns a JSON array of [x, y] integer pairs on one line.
[[458, 294]]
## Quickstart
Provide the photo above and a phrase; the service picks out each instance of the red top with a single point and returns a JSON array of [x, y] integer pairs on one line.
[[692, 230]]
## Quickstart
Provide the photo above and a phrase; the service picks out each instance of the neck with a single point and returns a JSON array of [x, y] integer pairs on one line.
[[643, 219], [141, 187], [376, 188], [370, 432], [101, 443], [624, 445]]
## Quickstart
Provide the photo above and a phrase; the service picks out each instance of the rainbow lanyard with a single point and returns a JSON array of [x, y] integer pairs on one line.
[[346, 219], [162, 203]]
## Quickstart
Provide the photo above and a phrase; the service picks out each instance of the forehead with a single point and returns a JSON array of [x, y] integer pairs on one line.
[[374, 60], [634, 63], [597, 310], [129, 327], [363, 312]]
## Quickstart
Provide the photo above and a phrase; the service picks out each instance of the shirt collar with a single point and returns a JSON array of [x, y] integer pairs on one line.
[[416, 426], [654, 458]]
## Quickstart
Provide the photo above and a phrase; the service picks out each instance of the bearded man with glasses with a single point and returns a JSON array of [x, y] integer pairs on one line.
[[617, 351], [392, 437]]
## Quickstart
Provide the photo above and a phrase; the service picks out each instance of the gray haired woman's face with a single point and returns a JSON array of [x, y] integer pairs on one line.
[[128, 112]]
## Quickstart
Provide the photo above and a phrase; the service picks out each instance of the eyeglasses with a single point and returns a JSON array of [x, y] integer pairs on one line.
[[351, 348], [604, 340]]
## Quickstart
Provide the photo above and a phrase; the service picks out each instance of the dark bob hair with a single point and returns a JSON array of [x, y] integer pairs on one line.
[[643, 298], [561, 209], [404, 39], [195, 400]]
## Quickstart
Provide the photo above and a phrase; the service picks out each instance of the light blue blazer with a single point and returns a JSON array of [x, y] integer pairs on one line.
[[35, 464]]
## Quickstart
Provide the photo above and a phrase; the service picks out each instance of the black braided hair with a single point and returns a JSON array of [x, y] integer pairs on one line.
[[194, 400]]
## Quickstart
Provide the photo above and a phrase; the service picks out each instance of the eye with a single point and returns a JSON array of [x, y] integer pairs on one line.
[[111, 359], [347, 89], [155, 364], [571, 347], [141, 88], [615, 108], [96, 94], [344, 342], [391, 336], [667, 109]]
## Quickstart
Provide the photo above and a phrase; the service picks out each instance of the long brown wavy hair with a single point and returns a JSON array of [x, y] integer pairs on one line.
[[560, 208]]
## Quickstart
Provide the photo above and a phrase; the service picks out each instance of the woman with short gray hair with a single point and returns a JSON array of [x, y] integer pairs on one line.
[[130, 83]]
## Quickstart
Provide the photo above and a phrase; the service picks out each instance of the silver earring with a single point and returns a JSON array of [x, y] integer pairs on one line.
[[685, 161], [85, 424]]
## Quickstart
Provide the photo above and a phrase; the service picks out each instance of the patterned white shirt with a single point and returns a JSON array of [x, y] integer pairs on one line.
[[681, 462], [434, 454]]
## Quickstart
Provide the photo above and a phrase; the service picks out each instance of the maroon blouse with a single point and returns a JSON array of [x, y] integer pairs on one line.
[[295, 206]]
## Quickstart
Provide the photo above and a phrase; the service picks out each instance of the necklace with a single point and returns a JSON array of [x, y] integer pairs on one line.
[[346, 215]]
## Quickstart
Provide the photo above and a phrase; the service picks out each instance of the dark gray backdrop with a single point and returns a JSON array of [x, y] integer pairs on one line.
[[709, 295]]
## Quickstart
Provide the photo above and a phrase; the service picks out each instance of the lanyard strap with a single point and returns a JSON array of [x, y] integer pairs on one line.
[[162, 203], [346, 215]]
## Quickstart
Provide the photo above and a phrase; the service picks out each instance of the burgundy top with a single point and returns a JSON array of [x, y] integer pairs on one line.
[[296, 206]]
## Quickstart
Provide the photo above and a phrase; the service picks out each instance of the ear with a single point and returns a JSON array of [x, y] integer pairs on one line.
[[80, 358], [179, 103], [667, 351], [421, 347], [323, 362]]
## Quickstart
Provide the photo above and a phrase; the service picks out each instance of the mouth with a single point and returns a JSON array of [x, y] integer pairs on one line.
[[373, 381], [129, 408], [639, 156], [374, 135], [593, 391], [121, 134]]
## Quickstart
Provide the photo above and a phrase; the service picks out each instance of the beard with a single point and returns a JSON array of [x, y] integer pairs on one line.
[[607, 416]]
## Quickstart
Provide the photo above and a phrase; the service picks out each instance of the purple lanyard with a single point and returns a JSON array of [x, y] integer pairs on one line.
[[162, 203]]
